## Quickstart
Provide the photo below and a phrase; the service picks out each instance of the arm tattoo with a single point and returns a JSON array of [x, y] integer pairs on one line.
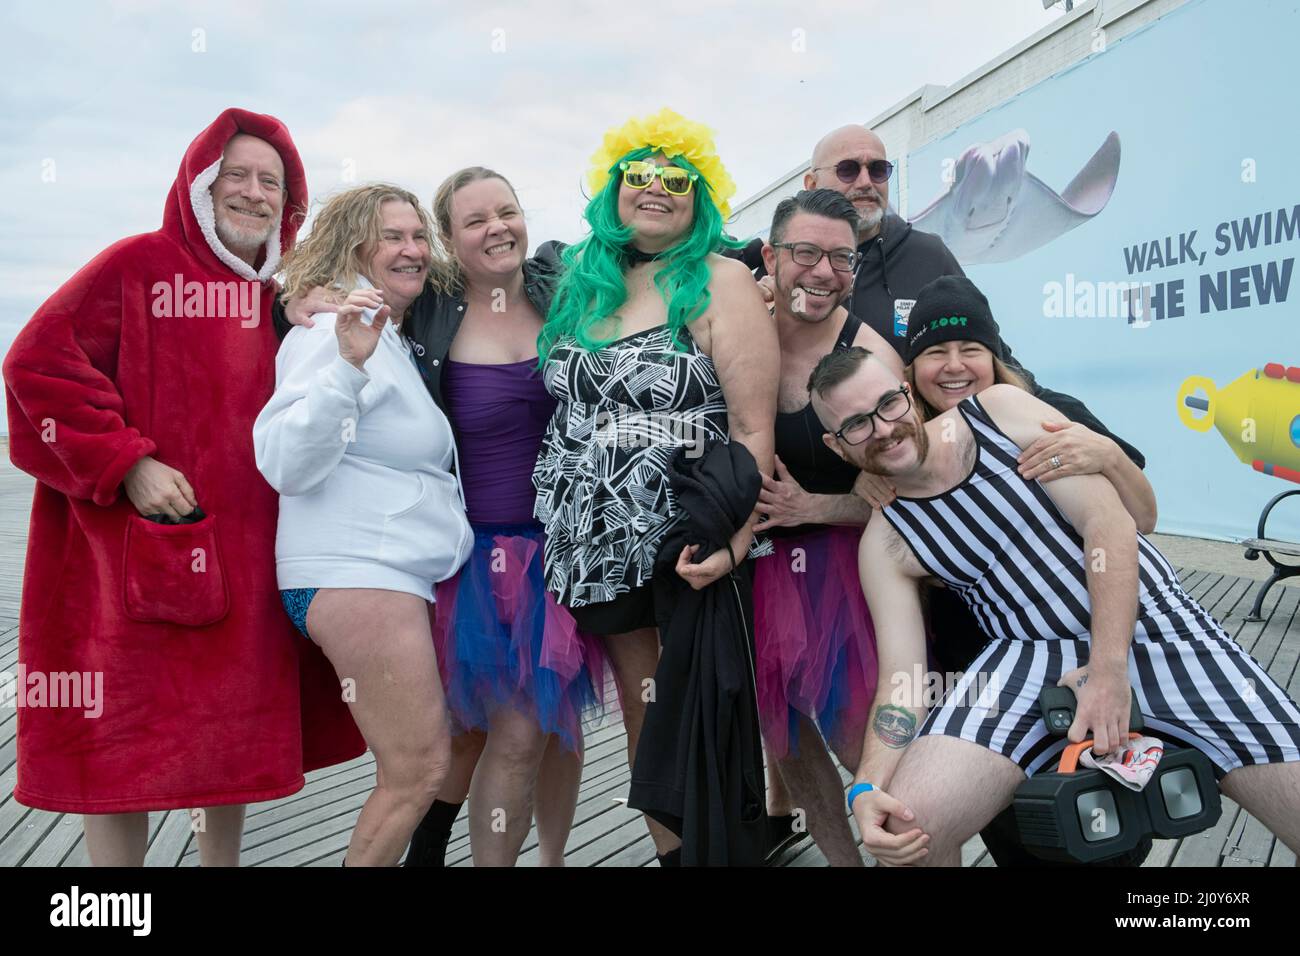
[[895, 726], [1081, 681]]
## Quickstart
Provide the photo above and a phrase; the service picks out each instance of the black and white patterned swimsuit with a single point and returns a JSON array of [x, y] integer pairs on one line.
[[1002, 544], [601, 477]]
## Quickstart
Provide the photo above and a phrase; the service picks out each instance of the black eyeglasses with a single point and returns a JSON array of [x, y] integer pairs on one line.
[[807, 254], [847, 170], [889, 409]]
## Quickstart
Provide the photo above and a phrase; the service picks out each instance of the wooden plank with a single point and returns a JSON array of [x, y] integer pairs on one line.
[[9, 658], [11, 811], [640, 853], [298, 846], [1268, 640], [604, 775], [175, 832], [1282, 855], [58, 843], [1248, 633], [342, 811], [622, 828], [973, 851], [1188, 576], [1162, 853], [1250, 844], [40, 825], [596, 817], [77, 856], [1214, 590], [23, 837], [1200, 584], [354, 778], [1283, 665], [1207, 847], [1232, 607]]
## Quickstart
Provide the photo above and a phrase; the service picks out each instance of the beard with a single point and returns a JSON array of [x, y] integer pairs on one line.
[[868, 221], [869, 454], [238, 239]]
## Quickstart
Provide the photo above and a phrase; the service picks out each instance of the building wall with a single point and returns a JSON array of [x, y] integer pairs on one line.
[[933, 111]]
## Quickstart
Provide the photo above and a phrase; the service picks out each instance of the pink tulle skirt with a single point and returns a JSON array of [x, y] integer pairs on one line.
[[815, 646], [503, 641]]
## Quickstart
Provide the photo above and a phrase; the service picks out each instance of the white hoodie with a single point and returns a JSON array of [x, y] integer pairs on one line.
[[362, 461]]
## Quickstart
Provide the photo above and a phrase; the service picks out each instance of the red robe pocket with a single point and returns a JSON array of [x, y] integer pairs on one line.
[[173, 573]]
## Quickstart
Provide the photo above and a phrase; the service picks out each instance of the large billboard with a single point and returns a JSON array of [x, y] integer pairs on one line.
[[1134, 221]]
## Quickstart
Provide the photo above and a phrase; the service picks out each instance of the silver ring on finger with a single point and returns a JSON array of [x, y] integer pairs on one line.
[[1056, 462]]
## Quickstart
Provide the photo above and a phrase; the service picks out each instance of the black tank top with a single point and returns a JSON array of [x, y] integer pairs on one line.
[[799, 444]]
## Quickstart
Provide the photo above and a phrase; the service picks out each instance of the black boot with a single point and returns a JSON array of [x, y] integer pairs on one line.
[[429, 842]]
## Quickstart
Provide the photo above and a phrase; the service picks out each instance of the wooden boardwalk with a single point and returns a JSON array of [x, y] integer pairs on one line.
[[312, 827]]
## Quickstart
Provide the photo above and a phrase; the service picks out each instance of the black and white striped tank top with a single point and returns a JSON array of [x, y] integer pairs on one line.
[[1002, 544]]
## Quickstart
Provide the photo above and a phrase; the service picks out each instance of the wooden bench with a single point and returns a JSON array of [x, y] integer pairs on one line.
[[1269, 547]]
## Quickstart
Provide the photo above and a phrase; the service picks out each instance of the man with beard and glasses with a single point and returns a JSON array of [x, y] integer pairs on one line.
[[816, 659], [1024, 556]]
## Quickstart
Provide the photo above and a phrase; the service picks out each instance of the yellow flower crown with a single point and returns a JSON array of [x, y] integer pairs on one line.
[[672, 134]]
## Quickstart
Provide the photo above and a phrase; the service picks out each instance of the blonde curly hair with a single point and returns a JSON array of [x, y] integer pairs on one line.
[[348, 224]]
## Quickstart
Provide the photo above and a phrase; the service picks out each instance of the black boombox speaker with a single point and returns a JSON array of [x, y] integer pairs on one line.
[[1085, 815]]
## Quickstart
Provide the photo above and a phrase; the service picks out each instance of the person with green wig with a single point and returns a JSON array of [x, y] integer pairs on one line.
[[654, 343]]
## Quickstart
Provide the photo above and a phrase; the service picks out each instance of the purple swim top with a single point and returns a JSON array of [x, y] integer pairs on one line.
[[499, 414]]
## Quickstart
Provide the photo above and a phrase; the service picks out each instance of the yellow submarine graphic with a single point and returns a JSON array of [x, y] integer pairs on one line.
[[1258, 415]]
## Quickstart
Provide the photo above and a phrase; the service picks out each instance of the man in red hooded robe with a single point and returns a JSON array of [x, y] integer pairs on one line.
[[151, 558]]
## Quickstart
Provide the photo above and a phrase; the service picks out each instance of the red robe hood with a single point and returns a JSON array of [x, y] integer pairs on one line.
[[189, 217]]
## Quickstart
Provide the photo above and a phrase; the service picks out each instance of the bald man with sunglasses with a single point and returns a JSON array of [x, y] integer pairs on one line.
[[895, 260]]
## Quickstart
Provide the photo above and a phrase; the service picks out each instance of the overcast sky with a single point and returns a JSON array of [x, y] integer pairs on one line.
[[107, 95]]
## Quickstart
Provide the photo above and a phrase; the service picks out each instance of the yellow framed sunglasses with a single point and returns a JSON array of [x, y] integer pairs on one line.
[[638, 174]]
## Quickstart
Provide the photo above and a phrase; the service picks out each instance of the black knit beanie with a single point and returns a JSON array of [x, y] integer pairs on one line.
[[951, 308]]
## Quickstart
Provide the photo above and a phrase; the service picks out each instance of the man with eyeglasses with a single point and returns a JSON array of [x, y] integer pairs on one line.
[[1024, 557], [815, 661]]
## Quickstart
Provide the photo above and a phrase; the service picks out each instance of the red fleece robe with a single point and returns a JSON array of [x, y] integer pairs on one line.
[[209, 696]]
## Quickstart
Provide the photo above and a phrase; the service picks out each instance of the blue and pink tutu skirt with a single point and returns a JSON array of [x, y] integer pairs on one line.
[[815, 646], [502, 641]]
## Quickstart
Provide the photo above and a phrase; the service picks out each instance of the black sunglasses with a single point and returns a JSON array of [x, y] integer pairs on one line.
[[891, 408], [847, 170]]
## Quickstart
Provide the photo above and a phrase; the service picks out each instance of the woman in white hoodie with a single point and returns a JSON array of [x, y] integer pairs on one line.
[[371, 517]]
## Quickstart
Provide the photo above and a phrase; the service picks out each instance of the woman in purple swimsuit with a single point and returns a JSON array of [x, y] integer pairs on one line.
[[517, 673]]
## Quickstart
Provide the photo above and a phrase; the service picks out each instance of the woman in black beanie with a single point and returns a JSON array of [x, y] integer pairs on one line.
[[954, 351]]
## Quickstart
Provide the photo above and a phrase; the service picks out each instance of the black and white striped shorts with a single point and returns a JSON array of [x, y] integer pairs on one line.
[[1199, 691]]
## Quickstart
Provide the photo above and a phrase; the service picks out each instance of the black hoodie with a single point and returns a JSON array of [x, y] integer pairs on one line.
[[897, 262]]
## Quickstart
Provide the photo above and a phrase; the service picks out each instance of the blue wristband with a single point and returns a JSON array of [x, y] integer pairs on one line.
[[856, 790]]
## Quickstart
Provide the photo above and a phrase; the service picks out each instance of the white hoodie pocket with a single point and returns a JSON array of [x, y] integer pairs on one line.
[[421, 496], [428, 537]]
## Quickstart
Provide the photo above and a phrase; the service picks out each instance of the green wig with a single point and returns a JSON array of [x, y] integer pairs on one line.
[[592, 286]]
